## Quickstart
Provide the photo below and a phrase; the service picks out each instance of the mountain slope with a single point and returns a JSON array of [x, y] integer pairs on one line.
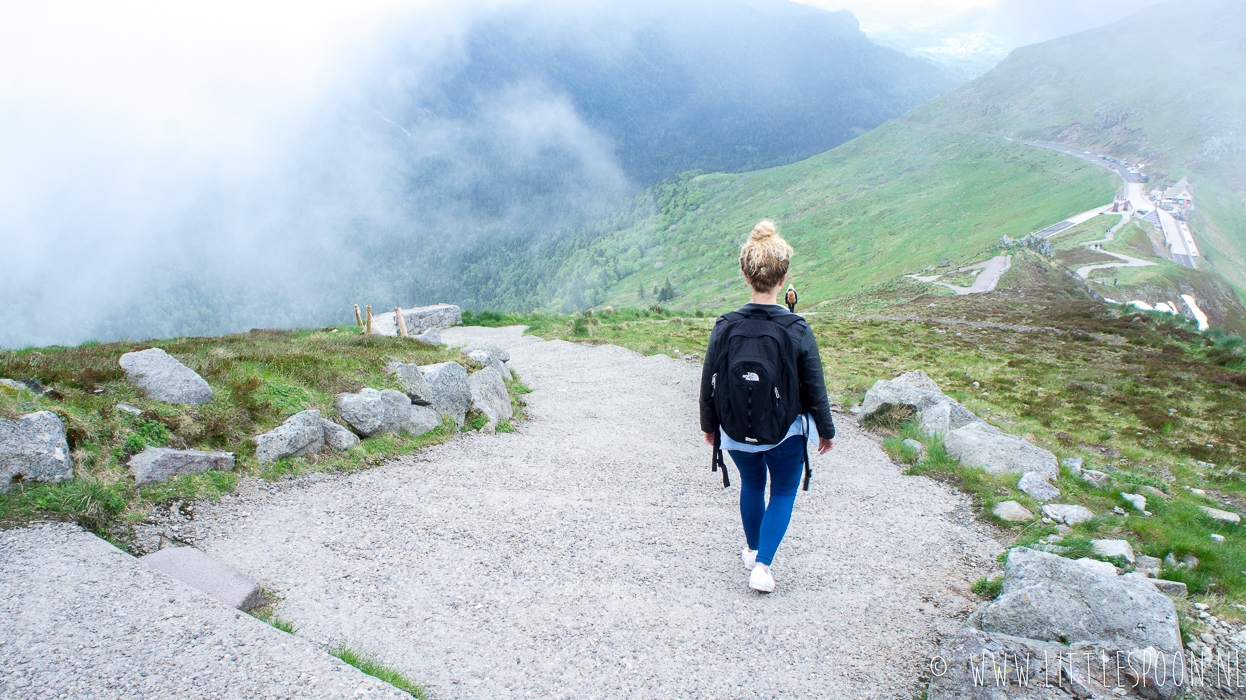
[[1166, 86]]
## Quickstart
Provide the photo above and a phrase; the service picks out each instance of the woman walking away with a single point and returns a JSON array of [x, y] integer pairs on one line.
[[762, 397], [791, 298]]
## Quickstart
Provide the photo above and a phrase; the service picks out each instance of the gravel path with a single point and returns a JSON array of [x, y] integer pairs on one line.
[[81, 619], [592, 554]]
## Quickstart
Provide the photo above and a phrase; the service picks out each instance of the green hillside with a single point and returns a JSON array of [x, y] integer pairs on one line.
[[892, 202], [1166, 87]]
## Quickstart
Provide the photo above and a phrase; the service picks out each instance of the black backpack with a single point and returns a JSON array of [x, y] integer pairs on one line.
[[756, 382]]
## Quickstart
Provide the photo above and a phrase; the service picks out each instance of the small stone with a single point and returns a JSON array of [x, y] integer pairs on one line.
[[1222, 515], [1102, 567], [1067, 514], [1172, 588], [1217, 538], [1012, 512], [338, 437], [1096, 478], [1208, 639], [1118, 510], [1152, 491], [1074, 464], [1149, 566], [1114, 549], [1037, 487], [916, 447], [126, 408], [1199, 492], [301, 434], [1138, 502], [1202, 606]]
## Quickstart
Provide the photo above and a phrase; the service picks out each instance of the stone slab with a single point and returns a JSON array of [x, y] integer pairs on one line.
[[155, 464], [193, 567]]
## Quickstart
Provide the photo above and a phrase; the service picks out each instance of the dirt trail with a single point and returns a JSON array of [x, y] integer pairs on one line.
[[592, 554]]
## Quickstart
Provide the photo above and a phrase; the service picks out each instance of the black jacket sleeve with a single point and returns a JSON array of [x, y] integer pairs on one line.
[[813, 398], [709, 417]]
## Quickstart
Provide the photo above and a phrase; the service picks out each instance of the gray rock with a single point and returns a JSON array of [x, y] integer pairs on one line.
[[451, 395], [916, 447], [1052, 599], [1114, 549], [412, 381], [33, 448], [371, 412], [982, 446], [1067, 514], [489, 396], [196, 569], [919, 392], [301, 434], [1074, 464], [432, 336], [1223, 516], [1096, 478], [967, 664], [337, 437], [487, 359], [1151, 490], [1173, 588], [1148, 566], [155, 464], [422, 420], [1103, 567], [1012, 512], [1217, 538], [1135, 500], [1038, 488], [165, 379], [13, 386], [495, 350], [126, 408]]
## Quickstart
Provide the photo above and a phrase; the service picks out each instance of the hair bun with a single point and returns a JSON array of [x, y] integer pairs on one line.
[[763, 230]]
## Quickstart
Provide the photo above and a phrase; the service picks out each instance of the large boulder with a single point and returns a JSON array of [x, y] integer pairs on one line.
[[937, 412], [489, 396], [155, 464], [413, 383], [451, 395], [981, 445], [33, 448], [163, 378], [371, 412], [301, 434], [1053, 599], [976, 665]]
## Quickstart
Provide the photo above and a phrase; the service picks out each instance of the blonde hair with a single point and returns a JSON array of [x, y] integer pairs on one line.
[[764, 257]]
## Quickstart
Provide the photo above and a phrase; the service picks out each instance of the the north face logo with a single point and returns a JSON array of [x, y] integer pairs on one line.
[[752, 377]]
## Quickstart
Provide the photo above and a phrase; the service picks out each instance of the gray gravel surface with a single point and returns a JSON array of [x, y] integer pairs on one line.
[[592, 554], [81, 619]]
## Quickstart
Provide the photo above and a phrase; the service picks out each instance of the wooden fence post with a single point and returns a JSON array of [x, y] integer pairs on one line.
[[368, 328], [358, 317], [402, 324]]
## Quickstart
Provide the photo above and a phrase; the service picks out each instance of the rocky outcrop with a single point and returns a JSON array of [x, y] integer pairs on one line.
[[937, 412], [371, 412], [163, 378], [156, 464], [413, 383], [489, 396], [34, 449], [301, 434], [983, 446], [450, 394]]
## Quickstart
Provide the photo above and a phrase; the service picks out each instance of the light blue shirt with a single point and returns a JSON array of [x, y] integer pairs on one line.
[[798, 427]]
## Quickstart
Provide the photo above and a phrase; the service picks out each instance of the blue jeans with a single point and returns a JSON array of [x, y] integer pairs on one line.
[[764, 526]]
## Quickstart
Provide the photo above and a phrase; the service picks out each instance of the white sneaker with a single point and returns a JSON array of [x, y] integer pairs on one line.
[[750, 558], [761, 580]]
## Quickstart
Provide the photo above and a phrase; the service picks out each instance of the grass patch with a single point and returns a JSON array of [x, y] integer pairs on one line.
[[988, 588], [371, 665]]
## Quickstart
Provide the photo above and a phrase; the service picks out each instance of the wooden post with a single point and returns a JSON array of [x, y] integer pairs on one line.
[[402, 324], [368, 328], [358, 317]]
